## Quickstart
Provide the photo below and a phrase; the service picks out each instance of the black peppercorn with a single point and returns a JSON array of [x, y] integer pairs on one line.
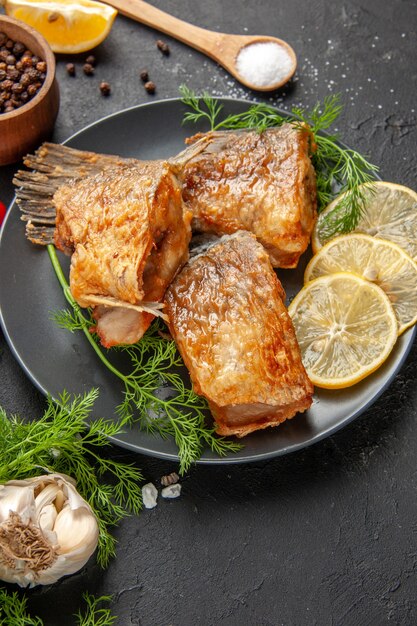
[[163, 47], [41, 66], [70, 69], [9, 44], [10, 59], [91, 60], [18, 49], [32, 73], [17, 88], [88, 69], [105, 88], [26, 62], [3, 38], [6, 85], [31, 90], [25, 79], [13, 73], [150, 87], [144, 76]]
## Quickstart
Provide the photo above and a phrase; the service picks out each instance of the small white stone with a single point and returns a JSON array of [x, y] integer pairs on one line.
[[172, 491], [149, 495]]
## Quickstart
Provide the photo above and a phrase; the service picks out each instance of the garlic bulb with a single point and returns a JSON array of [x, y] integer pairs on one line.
[[47, 530]]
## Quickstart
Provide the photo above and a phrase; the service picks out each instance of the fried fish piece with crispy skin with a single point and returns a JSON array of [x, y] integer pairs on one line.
[[260, 182], [237, 340], [128, 235]]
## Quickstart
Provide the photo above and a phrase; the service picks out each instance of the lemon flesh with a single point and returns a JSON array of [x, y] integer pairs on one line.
[[68, 26], [382, 262], [390, 212], [345, 327]]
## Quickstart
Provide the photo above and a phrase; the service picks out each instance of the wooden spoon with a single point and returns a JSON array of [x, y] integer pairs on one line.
[[221, 47]]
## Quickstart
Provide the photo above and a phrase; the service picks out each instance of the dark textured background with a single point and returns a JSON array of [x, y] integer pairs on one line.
[[326, 535]]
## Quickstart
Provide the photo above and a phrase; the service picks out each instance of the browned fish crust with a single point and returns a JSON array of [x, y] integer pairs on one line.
[[260, 182], [128, 235], [236, 338]]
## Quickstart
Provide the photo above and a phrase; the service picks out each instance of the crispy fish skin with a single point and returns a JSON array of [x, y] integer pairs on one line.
[[236, 338], [128, 235], [260, 182]]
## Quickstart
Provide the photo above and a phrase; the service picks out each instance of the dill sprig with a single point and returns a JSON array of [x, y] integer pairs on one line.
[[338, 169], [154, 393], [66, 440], [95, 614], [13, 610]]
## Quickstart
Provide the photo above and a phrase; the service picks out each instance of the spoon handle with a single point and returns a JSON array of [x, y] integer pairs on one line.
[[201, 39]]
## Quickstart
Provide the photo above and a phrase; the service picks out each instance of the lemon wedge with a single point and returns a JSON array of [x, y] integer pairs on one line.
[[69, 26], [346, 328], [390, 212], [377, 260]]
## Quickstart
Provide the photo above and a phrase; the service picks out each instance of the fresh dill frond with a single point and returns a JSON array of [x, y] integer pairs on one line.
[[69, 320], [95, 614], [338, 169], [204, 107], [13, 610], [154, 394], [66, 440]]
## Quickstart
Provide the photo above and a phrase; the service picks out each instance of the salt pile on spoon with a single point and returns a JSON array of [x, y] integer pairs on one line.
[[264, 63]]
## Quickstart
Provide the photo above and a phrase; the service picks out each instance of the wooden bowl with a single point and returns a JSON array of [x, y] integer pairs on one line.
[[25, 128]]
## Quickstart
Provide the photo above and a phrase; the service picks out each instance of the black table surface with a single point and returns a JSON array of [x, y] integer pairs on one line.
[[323, 536]]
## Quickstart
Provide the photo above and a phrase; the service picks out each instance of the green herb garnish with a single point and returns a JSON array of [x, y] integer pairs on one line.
[[178, 412], [14, 611], [95, 614], [66, 440], [338, 169]]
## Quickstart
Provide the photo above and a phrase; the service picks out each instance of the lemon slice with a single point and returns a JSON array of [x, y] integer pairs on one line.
[[379, 261], [346, 328], [390, 213], [69, 26]]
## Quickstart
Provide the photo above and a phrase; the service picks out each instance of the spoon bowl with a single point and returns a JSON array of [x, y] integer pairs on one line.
[[223, 48]]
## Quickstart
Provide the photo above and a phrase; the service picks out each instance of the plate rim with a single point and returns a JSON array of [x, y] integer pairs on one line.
[[231, 458]]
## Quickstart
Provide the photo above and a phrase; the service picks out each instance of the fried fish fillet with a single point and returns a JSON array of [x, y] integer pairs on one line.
[[260, 182], [227, 316], [128, 235]]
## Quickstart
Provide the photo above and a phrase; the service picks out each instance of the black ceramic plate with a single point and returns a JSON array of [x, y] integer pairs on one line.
[[55, 359]]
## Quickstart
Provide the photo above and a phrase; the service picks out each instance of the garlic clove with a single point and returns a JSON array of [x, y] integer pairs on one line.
[[74, 529], [46, 518]]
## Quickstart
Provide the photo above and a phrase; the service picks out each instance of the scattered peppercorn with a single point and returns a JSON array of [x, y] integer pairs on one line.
[[144, 76], [70, 69], [88, 69], [105, 88], [163, 47], [150, 86], [91, 60], [169, 479], [22, 74]]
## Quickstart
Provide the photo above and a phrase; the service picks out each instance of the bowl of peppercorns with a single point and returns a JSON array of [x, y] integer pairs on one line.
[[29, 95]]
